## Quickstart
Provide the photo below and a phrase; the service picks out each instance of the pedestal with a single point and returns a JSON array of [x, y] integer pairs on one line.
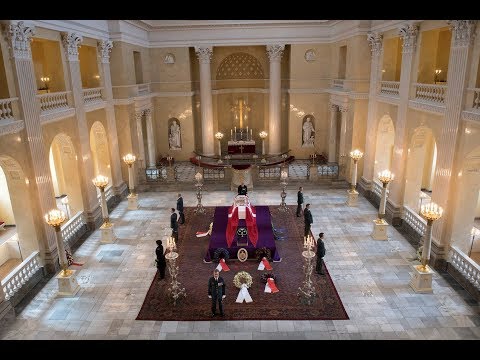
[[421, 281], [352, 198], [108, 237], [170, 174], [132, 201], [67, 284], [379, 230], [313, 173]]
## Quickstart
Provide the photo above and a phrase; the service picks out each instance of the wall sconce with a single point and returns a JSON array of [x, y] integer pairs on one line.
[[437, 73], [45, 80]]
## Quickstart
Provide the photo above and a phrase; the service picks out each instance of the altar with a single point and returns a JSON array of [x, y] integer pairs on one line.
[[241, 147]]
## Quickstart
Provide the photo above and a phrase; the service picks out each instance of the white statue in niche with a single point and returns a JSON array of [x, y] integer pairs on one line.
[[174, 136], [308, 137], [169, 59]]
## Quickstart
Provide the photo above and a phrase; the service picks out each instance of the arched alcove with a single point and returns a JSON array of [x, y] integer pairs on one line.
[[100, 153], [240, 65], [384, 145], [308, 131], [174, 134]]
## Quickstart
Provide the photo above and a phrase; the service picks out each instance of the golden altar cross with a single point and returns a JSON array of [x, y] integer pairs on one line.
[[241, 110]]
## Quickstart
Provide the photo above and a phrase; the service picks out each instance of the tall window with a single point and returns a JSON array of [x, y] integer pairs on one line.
[[434, 56], [392, 59], [137, 61]]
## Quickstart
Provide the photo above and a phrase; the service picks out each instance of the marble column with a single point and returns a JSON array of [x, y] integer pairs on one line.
[[71, 43], [463, 32], [150, 139], [204, 55], [332, 142], [409, 34], [375, 40], [343, 153], [19, 37], [141, 146], [104, 47], [275, 53]]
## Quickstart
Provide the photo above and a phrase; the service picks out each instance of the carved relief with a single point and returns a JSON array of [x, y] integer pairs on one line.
[[169, 59], [463, 32], [310, 55], [71, 43], [105, 47], [19, 37], [275, 52], [308, 136], [174, 134], [375, 41], [240, 66], [409, 35]]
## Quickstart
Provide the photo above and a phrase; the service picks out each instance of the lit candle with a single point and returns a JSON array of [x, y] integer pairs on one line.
[[247, 129], [231, 132], [235, 129], [251, 133]]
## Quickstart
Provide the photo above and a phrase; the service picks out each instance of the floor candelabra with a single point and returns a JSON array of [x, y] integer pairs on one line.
[[307, 292], [175, 290]]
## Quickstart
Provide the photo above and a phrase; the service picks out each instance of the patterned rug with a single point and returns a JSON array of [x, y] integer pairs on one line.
[[283, 305]]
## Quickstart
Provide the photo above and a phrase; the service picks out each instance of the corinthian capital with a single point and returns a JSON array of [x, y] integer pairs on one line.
[[463, 32], [71, 43], [204, 53], [409, 35], [375, 40], [104, 47], [19, 37], [275, 52]]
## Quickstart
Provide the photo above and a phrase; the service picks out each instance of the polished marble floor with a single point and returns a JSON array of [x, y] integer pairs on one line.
[[372, 278]]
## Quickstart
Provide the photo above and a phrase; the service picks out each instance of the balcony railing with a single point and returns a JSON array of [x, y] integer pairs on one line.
[[338, 83], [390, 88], [466, 266], [431, 93], [6, 108], [93, 95], [213, 173], [143, 89], [156, 174], [72, 226], [20, 275], [53, 101], [475, 98], [269, 173], [415, 221]]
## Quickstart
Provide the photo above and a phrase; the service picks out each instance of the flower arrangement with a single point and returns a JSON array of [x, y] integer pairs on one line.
[[241, 278], [263, 252], [266, 276], [220, 253]]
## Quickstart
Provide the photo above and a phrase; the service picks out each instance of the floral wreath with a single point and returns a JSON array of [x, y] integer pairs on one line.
[[220, 253], [241, 278], [266, 276], [263, 252]]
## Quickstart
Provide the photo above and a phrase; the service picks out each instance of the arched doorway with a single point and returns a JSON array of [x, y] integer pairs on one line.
[[384, 146], [467, 206], [100, 153], [64, 170], [20, 240], [421, 160]]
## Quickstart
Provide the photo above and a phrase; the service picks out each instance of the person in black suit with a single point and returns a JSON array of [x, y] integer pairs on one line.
[[242, 189], [320, 254], [180, 209], [174, 224], [161, 262], [216, 292], [299, 201], [307, 215]]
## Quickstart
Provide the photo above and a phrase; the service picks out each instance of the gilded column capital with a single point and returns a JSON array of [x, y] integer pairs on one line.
[[275, 52], [104, 48], [343, 108], [463, 32], [19, 37], [409, 35], [71, 43], [376, 42], [204, 53]]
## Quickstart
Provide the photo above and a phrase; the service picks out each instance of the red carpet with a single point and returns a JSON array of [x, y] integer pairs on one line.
[[283, 305]]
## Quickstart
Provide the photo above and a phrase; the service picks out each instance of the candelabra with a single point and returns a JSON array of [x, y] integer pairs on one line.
[[313, 157], [353, 193], [175, 289], [307, 292], [437, 72], [255, 157], [263, 136], [170, 170], [284, 157], [169, 159], [132, 198], [198, 157], [67, 283], [199, 185], [219, 137], [227, 157], [45, 80], [474, 232], [313, 169], [283, 194], [107, 227], [379, 224]]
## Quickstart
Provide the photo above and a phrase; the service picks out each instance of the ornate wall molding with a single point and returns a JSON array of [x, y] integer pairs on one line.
[[19, 37], [57, 116], [435, 109], [376, 43], [204, 53], [105, 47], [388, 99], [275, 52], [463, 32], [71, 43], [95, 106], [409, 35], [12, 128]]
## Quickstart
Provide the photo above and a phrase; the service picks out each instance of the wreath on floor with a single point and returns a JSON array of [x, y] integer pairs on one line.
[[263, 252], [241, 278], [266, 276], [220, 253]]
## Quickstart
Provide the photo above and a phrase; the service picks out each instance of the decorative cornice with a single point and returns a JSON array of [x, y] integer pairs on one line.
[[306, 91], [463, 32], [409, 35], [204, 53], [71, 43], [358, 96], [435, 109], [12, 128], [471, 115], [104, 47], [95, 106], [376, 42], [387, 99], [56, 115], [19, 37], [275, 52], [123, 102]]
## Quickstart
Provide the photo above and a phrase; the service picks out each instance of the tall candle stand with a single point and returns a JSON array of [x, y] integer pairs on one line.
[[307, 292], [175, 290]]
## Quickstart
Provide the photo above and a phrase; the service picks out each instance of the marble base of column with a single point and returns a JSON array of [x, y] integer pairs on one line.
[[380, 229], [67, 284], [107, 234], [170, 174], [132, 202], [313, 173], [352, 197], [421, 281]]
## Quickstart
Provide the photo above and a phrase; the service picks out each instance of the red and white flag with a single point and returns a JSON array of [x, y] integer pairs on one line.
[[264, 265], [270, 286], [222, 265]]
